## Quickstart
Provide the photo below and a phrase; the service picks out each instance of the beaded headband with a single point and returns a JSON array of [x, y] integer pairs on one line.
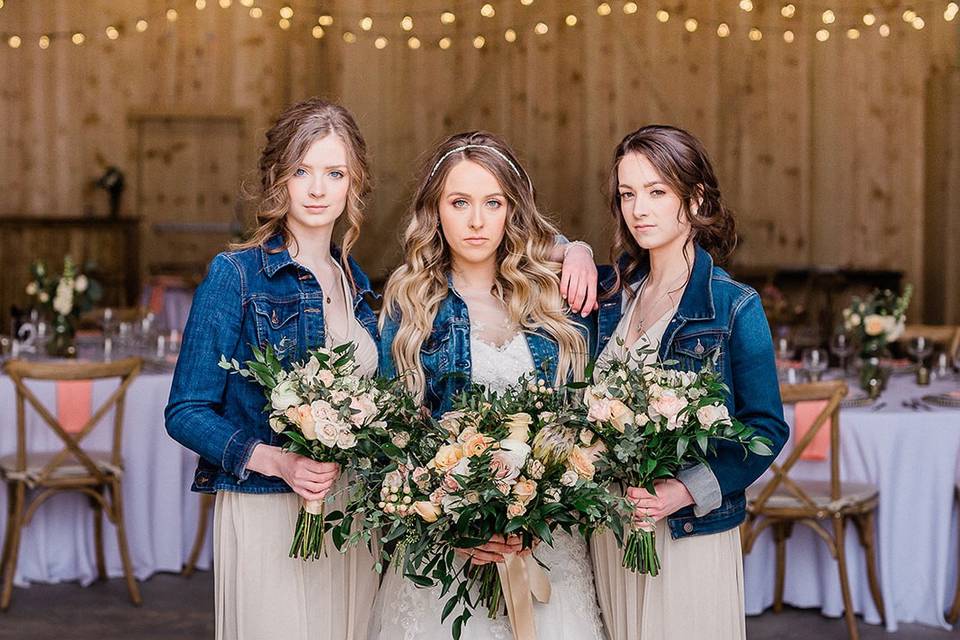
[[479, 146]]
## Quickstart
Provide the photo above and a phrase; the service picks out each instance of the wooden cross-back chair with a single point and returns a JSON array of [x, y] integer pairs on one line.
[[33, 477], [825, 506]]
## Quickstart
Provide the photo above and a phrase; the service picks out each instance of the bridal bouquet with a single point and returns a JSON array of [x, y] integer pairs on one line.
[[327, 413], [499, 464], [654, 421]]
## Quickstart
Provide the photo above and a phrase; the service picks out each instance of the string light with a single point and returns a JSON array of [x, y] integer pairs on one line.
[[788, 10], [380, 43], [78, 38], [918, 23], [571, 20], [407, 23], [869, 19], [172, 15], [413, 42], [317, 32], [909, 15], [510, 35], [526, 3], [478, 42], [14, 42], [112, 32], [247, 3], [603, 9], [630, 8], [366, 23], [284, 24], [349, 37], [1, 4], [444, 43], [746, 5], [325, 20], [823, 35], [788, 36], [951, 11], [884, 30], [142, 25], [723, 30], [447, 17], [44, 42], [853, 34], [487, 11], [541, 28], [225, 4], [663, 15], [755, 35], [691, 24], [828, 17], [257, 12], [286, 12], [201, 5]]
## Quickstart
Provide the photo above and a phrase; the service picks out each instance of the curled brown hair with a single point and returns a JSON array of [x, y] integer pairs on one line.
[[682, 162], [288, 141]]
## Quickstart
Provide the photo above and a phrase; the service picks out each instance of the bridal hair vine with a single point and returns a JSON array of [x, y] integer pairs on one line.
[[479, 146]]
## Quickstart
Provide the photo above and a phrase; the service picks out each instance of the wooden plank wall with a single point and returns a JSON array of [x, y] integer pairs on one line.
[[819, 145]]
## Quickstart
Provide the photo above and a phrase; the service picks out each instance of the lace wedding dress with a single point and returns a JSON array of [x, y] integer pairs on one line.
[[404, 611]]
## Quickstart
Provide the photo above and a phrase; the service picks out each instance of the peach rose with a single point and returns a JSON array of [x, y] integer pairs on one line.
[[525, 490], [476, 445], [426, 510], [447, 456], [580, 462]]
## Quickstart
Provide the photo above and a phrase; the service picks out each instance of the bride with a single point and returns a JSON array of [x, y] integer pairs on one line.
[[479, 294]]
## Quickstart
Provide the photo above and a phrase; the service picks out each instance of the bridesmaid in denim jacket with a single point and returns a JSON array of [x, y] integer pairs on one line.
[[288, 286], [666, 294]]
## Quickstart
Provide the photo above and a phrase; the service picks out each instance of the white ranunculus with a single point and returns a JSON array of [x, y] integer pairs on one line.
[[33, 289], [346, 439], [81, 283], [518, 452], [284, 396], [711, 414]]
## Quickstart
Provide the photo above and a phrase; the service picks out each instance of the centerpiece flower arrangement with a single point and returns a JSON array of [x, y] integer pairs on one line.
[[64, 297]]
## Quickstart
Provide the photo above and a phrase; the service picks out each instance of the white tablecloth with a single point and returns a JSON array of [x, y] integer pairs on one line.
[[913, 457], [160, 511]]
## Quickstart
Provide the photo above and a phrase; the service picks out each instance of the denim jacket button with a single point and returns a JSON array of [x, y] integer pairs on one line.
[[688, 527]]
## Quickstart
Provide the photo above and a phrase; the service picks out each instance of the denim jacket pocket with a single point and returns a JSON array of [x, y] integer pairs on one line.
[[694, 350], [277, 324]]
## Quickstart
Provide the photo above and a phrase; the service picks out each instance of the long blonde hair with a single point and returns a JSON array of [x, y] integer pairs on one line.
[[526, 280], [288, 141]]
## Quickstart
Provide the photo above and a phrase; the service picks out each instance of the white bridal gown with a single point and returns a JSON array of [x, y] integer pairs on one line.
[[404, 611]]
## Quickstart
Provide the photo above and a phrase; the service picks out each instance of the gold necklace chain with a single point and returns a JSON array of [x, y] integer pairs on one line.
[[640, 323]]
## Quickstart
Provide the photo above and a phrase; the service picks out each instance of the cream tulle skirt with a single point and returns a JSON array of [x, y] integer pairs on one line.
[[698, 594], [261, 594]]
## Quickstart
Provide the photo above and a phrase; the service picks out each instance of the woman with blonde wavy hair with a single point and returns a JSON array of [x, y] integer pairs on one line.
[[478, 299], [291, 287]]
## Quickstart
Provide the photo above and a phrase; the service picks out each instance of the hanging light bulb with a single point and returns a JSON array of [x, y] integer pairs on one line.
[[723, 30]]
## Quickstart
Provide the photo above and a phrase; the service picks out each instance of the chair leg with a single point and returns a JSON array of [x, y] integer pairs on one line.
[[839, 524], [865, 527], [206, 504], [780, 537], [954, 614], [11, 547], [116, 497], [98, 537]]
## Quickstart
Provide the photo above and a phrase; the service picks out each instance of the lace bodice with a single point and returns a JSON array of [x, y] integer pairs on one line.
[[498, 367]]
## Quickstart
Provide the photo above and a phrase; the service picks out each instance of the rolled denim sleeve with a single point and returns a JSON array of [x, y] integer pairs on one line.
[[756, 398], [194, 412], [702, 484]]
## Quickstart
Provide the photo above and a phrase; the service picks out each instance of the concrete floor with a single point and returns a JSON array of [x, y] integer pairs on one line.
[[177, 608]]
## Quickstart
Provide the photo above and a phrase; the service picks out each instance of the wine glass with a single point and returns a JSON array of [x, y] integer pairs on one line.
[[785, 348], [920, 348], [842, 347], [815, 362]]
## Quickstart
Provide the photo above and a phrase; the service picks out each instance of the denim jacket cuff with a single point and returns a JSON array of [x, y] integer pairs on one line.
[[237, 454], [702, 484]]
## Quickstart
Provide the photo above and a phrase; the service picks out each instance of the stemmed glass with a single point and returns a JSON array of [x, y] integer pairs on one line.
[[815, 362], [842, 347], [920, 348]]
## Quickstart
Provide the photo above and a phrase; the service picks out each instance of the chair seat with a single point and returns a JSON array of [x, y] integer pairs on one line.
[[853, 495], [70, 469]]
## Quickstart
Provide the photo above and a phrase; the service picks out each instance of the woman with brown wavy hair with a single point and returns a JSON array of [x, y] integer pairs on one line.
[[289, 286], [478, 299], [666, 298]]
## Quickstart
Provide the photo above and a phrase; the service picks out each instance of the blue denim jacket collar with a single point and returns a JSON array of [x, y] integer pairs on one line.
[[275, 257]]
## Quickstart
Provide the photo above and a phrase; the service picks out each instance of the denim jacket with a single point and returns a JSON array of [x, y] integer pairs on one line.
[[718, 317], [248, 297], [445, 354]]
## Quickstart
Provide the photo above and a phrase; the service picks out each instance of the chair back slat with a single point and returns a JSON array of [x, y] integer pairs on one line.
[[20, 371], [833, 392]]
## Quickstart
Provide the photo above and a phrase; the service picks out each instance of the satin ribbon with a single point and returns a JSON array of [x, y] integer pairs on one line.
[[522, 581]]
